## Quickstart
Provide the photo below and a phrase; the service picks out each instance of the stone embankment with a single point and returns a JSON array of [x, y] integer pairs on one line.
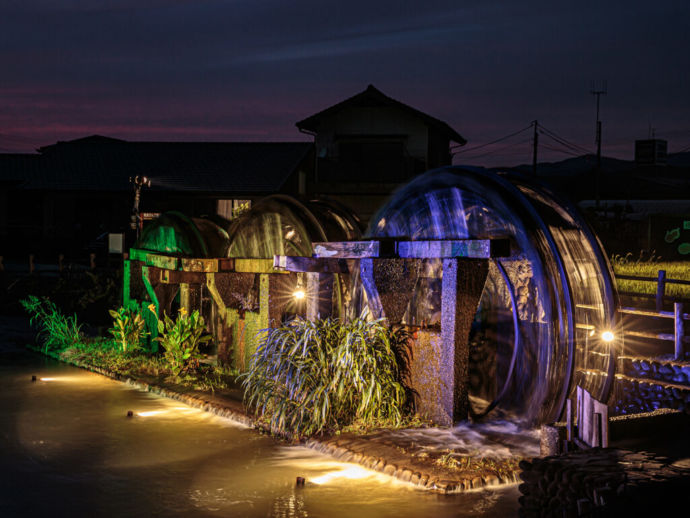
[[411, 463], [643, 385], [602, 482]]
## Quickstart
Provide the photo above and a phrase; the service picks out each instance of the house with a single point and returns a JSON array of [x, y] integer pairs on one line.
[[368, 145]]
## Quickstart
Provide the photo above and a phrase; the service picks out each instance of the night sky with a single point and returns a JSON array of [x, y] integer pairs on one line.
[[248, 70]]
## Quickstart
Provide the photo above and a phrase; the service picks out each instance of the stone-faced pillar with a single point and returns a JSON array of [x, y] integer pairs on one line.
[[319, 295], [462, 285]]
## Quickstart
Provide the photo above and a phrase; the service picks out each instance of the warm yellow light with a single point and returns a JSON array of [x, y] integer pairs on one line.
[[350, 473], [150, 413], [298, 294], [607, 336], [48, 379]]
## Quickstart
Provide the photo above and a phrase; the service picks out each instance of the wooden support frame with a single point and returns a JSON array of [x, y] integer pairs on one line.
[[427, 249]]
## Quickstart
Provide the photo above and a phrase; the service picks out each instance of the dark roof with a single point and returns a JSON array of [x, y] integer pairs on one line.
[[101, 163], [374, 97]]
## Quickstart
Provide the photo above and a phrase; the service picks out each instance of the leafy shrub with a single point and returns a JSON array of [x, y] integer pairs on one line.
[[309, 376], [55, 331], [128, 328], [180, 340]]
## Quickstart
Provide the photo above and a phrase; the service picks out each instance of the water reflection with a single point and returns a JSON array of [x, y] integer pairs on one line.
[[69, 449]]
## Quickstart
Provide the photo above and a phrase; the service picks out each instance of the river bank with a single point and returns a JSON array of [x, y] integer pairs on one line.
[[467, 457]]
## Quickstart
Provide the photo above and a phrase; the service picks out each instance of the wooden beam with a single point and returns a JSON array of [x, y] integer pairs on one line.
[[250, 265], [347, 249], [199, 265], [310, 264], [471, 249], [428, 249], [179, 277]]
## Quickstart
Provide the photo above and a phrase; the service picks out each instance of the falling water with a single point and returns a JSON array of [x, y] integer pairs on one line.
[[555, 287]]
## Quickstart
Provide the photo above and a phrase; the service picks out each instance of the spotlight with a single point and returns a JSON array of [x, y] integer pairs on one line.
[[298, 294], [607, 336]]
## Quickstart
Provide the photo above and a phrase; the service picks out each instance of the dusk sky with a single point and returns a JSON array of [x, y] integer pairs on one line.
[[248, 70]]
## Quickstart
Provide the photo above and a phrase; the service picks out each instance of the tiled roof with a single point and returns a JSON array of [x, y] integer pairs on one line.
[[374, 97]]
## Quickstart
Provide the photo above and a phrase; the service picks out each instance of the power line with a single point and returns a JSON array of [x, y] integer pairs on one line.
[[560, 150], [562, 140], [495, 151], [465, 150]]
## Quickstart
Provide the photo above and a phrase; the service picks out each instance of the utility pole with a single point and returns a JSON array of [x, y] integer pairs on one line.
[[598, 93], [535, 144], [136, 223]]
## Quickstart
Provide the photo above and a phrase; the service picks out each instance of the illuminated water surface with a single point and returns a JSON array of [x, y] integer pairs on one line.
[[68, 449]]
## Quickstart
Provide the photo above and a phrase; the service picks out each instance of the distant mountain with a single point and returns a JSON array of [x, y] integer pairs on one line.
[[576, 166], [586, 163]]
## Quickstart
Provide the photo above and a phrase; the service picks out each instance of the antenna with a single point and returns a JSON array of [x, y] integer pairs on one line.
[[598, 92]]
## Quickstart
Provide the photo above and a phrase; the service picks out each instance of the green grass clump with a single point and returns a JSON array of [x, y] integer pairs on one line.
[[308, 377], [55, 331]]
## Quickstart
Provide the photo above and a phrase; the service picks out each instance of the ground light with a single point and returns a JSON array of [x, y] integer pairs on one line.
[[352, 473], [607, 336]]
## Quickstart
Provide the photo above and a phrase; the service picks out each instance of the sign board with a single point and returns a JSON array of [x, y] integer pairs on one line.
[[116, 243]]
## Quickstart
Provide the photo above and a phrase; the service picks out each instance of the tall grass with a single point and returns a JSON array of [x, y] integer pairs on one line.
[[313, 376], [649, 267], [55, 331]]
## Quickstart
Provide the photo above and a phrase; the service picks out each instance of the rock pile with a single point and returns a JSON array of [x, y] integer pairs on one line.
[[601, 482]]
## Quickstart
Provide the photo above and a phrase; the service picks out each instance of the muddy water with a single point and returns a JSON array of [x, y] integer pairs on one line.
[[68, 449]]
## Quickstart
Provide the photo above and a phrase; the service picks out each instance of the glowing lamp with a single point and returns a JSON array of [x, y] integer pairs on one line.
[[607, 336], [298, 294]]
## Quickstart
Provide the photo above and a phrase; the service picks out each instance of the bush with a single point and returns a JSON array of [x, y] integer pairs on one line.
[[128, 328], [313, 376], [55, 331], [181, 339]]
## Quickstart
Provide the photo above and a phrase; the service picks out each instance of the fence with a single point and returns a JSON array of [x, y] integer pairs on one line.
[[677, 337], [661, 282]]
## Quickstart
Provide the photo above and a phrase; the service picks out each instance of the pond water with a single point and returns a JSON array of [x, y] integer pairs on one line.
[[68, 449]]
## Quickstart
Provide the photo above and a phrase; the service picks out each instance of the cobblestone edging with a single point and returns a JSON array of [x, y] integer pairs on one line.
[[351, 449]]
